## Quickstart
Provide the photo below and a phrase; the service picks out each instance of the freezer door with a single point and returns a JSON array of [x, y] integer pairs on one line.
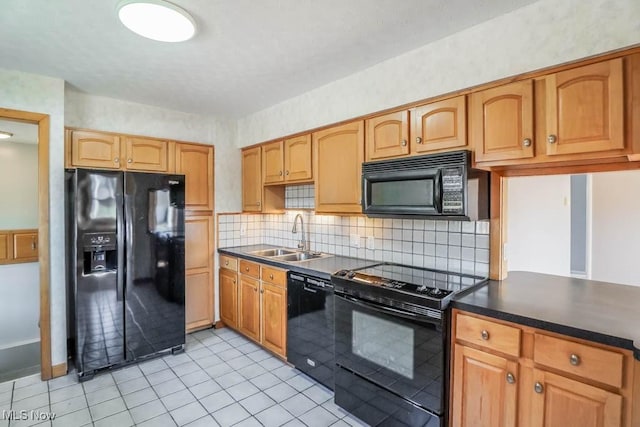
[[154, 285], [95, 256]]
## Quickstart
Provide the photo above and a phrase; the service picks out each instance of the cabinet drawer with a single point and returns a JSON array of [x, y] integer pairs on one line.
[[250, 268], [491, 335], [274, 275], [228, 262], [579, 359]]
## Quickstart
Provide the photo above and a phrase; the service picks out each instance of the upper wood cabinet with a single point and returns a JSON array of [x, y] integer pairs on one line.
[[18, 246], [338, 157], [501, 122], [287, 161], [145, 154], [5, 247], [297, 159], [387, 136], [195, 162], [251, 180], [94, 149], [439, 126], [585, 109]]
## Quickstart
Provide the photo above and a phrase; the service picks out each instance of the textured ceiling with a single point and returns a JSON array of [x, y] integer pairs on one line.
[[25, 133], [246, 56]]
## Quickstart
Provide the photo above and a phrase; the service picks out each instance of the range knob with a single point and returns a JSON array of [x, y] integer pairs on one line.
[[436, 291], [351, 274], [341, 273]]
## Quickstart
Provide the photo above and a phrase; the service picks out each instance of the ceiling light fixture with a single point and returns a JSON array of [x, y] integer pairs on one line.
[[5, 135], [157, 20]]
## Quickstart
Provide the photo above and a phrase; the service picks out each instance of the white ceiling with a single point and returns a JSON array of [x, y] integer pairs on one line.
[[246, 56], [24, 133]]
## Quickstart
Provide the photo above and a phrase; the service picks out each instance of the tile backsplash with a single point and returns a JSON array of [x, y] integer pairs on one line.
[[299, 197], [446, 245]]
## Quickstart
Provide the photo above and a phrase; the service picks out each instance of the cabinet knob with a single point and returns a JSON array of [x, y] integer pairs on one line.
[[246, 269], [551, 139], [129, 161], [255, 289], [574, 359], [33, 245], [271, 276], [257, 203], [234, 281], [116, 160], [511, 379], [538, 388], [404, 142], [226, 262], [527, 142], [280, 173], [287, 173], [484, 334], [418, 140], [262, 291]]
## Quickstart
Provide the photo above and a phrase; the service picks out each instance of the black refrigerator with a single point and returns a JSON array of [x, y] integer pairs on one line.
[[125, 266]]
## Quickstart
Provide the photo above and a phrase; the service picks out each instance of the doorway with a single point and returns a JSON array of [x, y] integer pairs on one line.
[[25, 347]]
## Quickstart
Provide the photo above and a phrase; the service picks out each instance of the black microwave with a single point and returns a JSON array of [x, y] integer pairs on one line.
[[433, 186]]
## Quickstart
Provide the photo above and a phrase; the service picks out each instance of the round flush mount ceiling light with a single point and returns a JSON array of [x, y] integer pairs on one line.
[[157, 20], [5, 135]]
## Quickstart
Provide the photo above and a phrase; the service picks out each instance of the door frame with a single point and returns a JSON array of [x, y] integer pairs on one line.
[[43, 123]]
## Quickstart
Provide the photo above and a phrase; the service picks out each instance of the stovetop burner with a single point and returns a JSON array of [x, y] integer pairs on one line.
[[410, 283]]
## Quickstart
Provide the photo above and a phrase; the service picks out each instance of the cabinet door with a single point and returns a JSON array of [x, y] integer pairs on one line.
[[297, 159], [388, 136], [272, 163], [195, 162], [229, 297], [559, 401], [198, 304], [251, 180], [483, 394], [585, 109], [25, 246], [249, 308], [146, 154], [5, 247], [198, 262], [502, 122], [338, 157], [95, 150], [274, 318], [439, 125]]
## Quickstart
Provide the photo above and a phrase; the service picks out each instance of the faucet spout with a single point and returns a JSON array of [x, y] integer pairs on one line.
[[303, 241]]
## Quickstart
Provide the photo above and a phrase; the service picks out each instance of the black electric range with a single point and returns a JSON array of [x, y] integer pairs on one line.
[[391, 334]]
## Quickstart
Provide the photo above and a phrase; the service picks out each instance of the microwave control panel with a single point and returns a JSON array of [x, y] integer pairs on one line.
[[452, 190]]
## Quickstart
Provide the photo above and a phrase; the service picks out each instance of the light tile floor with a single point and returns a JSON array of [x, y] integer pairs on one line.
[[222, 379]]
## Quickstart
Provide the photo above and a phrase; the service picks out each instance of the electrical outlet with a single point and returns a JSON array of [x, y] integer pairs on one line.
[[243, 230], [371, 242], [355, 240]]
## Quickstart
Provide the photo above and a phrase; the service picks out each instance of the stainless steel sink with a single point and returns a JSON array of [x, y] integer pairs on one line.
[[269, 253], [301, 256]]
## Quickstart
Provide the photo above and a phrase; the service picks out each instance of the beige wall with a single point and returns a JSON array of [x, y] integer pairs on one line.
[[18, 185]]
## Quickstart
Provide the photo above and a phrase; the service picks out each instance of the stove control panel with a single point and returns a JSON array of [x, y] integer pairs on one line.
[[367, 279]]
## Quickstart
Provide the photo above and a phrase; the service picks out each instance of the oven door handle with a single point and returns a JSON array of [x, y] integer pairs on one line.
[[392, 311]]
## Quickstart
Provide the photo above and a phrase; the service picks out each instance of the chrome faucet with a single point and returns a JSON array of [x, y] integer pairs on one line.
[[303, 241]]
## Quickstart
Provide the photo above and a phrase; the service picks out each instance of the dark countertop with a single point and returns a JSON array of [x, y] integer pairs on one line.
[[320, 267], [596, 311]]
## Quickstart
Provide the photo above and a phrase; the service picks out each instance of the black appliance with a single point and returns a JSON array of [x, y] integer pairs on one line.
[[125, 266], [439, 186], [391, 332], [310, 337]]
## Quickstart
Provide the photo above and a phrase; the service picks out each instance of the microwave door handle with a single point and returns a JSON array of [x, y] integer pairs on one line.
[[438, 192], [391, 311]]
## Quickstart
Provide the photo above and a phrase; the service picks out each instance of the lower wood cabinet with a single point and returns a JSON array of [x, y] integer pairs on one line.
[[253, 301], [198, 310], [552, 380]]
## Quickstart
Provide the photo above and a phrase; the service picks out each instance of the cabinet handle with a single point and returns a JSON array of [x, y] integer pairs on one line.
[[510, 378], [418, 140], [129, 161], [226, 262], [234, 281], [255, 289], [116, 160], [527, 142], [484, 334], [33, 245], [271, 276], [257, 203], [538, 388], [262, 291], [287, 173], [246, 269], [551, 139], [280, 173], [574, 359], [404, 143]]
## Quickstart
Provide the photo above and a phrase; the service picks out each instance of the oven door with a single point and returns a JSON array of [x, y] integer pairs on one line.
[[415, 192], [400, 351]]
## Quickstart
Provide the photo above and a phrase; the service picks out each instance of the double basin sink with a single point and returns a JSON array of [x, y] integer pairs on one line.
[[288, 255]]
